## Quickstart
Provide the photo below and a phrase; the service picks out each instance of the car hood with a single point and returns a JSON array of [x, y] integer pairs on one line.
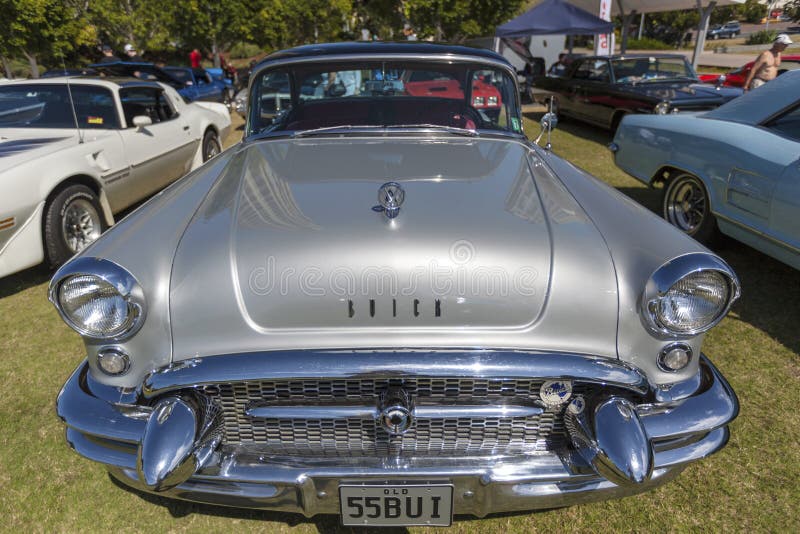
[[19, 145], [291, 250], [682, 92]]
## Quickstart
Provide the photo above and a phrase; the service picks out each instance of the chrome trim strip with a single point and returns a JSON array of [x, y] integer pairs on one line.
[[354, 364], [446, 412], [372, 412], [163, 154], [460, 58], [114, 176], [312, 412], [759, 233]]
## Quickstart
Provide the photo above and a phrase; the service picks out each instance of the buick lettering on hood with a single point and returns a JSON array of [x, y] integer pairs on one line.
[[392, 306]]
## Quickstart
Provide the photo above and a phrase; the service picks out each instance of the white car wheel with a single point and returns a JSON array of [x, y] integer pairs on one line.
[[73, 221]]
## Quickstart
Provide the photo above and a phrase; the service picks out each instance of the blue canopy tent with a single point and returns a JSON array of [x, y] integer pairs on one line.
[[554, 17]]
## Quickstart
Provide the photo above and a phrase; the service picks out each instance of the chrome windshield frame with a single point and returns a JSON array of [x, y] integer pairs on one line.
[[395, 57]]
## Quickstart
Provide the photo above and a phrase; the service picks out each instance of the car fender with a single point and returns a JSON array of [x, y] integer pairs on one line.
[[205, 115]]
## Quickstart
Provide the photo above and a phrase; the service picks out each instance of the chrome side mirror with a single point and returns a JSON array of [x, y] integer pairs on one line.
[[548, 122]]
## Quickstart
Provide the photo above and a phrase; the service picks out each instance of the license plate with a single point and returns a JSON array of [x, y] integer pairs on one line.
[[397, 505]]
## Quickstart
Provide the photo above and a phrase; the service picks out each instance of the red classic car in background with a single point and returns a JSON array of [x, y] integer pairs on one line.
[[737, 77], [485, 96]]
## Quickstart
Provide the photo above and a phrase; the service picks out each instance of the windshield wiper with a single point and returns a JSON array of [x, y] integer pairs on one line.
[[350, 128], [334, 129], [449, 129]]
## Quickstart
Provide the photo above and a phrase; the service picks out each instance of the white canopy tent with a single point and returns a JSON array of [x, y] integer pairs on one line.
[[630, 8]]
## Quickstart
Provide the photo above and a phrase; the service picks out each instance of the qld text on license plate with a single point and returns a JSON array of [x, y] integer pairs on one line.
[[397, 505]]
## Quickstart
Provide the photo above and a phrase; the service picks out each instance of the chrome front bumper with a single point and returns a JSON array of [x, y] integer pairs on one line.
[[685, 424]]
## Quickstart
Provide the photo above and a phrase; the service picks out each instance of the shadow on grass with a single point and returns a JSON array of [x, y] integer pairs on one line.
[[15, 283], [575, 127]]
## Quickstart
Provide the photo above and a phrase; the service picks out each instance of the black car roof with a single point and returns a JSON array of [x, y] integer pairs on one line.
[[381, 47], [635, 56]]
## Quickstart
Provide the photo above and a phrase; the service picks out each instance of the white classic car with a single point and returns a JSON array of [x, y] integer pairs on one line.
[[75, 151]]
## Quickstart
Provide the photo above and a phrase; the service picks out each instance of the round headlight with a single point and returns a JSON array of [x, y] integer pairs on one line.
[[98, 299], [662, 108], [689, 295]]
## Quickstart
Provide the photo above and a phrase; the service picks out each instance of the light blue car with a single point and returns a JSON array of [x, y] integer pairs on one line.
[[735, 169]]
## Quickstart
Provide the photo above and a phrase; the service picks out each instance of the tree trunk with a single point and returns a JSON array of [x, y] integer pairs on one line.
[[7, 67], [215, 54], [33, 64]]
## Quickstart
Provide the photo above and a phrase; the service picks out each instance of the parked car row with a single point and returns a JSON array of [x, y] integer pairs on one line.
[[192, 84]]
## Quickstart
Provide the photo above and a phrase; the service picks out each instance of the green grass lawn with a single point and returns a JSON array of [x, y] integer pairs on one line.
[[751, 486]]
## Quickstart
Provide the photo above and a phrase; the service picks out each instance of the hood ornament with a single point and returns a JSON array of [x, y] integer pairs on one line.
[[390, 198]]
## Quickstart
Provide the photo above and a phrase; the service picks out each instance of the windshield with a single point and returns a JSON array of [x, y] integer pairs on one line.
[[644, 69], [48, 106], [384, 94]]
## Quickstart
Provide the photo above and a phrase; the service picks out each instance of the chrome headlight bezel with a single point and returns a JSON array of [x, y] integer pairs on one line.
[[672, 272], [112, 274]]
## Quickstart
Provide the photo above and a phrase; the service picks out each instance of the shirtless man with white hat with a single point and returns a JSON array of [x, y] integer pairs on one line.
[[766, 66]]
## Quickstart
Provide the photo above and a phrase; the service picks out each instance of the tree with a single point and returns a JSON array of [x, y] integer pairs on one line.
[[671, 27], [792, 9], [211, 25], [284, 23], [383, 18], [457, 20], [43, 29], [142, 23]]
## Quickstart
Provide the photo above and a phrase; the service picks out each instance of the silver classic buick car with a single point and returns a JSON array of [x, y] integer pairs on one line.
[[387, 304]]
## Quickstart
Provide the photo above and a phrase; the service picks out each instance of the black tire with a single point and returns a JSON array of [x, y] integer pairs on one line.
[[73, 219], [685, 205], [211, 145]]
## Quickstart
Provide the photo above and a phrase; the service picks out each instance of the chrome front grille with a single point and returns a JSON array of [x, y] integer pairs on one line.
[[360, 437]]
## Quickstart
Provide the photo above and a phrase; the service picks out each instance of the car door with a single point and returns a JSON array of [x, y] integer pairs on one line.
[[597, 102], [206, 89], [759, 175], [97, 115], [784, 219], [158, 153], [572, 100]]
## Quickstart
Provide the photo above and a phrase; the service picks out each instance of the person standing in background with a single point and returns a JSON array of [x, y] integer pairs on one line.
[[765, 68], [194, 58], [131, 54], [108, 55]]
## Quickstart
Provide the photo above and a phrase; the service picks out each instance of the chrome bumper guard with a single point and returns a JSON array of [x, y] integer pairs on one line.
[[161, 440]]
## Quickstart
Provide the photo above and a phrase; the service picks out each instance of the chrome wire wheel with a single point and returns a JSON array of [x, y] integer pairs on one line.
[[686, 205], [80, 224]]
